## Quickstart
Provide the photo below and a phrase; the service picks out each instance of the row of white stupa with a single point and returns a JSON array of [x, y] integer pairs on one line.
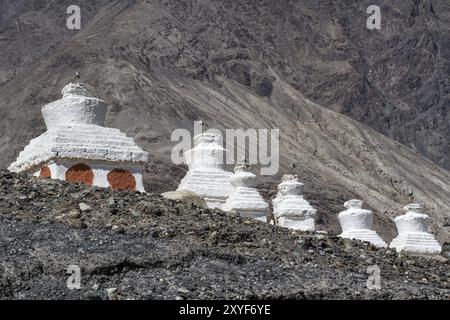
[[78, 148], [236, 192]]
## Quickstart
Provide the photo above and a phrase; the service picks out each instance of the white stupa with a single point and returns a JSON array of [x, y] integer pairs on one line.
[[356, 223], [206, 176], [78, 148], [245, 198], [290, 209], [413, 236]]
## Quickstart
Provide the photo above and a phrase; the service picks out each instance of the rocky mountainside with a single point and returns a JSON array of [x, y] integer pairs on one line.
[[138, 246], [312, 70]]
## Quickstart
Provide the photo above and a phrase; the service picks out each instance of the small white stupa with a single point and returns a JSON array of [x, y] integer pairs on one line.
[[413, 236], [245, 198], [356, 223], [290, 209], [78, 148], [206, 176]]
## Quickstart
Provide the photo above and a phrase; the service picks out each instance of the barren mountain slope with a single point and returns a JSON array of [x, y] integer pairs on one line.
[[159, 72], [394, 79]]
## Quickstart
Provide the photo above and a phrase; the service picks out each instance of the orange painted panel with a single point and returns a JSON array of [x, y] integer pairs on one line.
[[80, 173], [45, 172], [120, 179]]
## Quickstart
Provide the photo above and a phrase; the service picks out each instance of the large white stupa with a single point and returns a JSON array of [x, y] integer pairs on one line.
[[413, 236], [245, 198], [78, 148], [290, 209], [206, 176], [356, 223]]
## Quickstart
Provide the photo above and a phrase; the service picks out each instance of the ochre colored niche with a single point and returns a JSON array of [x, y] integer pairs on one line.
[[80, 173], [45, 172], [120, 179]]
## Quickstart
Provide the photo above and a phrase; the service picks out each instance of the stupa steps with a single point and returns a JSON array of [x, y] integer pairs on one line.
[[237, 200], [89, 148], [422, 239], [76, 151], [111, 156], [76, 142], [245, 195], [205, 178], [204, 191], [196, 180], [293, 211], [207, 173], [88, 127], [83, 134], [106, 140], [363, 236], [85, 144], [247, 192]]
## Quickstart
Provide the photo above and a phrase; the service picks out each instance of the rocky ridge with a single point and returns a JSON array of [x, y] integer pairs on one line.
[[142, 246]]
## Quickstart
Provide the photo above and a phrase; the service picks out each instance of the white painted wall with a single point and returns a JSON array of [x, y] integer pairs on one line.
[[59, 168]]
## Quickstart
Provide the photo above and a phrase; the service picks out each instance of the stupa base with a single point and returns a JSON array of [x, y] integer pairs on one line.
[[214, 203], [211, 184], [416, 243], [365, 235], [307, 224]]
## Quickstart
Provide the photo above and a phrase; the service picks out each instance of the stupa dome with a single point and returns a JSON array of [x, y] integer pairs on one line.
[[290, 185], [355, 217], [242, 177], [77, 106], [413, 220]]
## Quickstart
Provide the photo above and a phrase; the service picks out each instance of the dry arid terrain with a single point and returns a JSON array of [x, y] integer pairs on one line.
[[361, 113]]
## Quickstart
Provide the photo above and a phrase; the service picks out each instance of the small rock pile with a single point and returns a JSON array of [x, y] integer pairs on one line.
[[141, 246]]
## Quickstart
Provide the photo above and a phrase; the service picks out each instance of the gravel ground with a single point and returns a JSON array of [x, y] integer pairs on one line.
[[139, 246]]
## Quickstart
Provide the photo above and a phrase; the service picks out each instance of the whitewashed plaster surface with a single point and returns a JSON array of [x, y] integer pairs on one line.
[[357, 223], [291, 210], [245, 198], [75, 134], [100, 170], [206, 176]]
